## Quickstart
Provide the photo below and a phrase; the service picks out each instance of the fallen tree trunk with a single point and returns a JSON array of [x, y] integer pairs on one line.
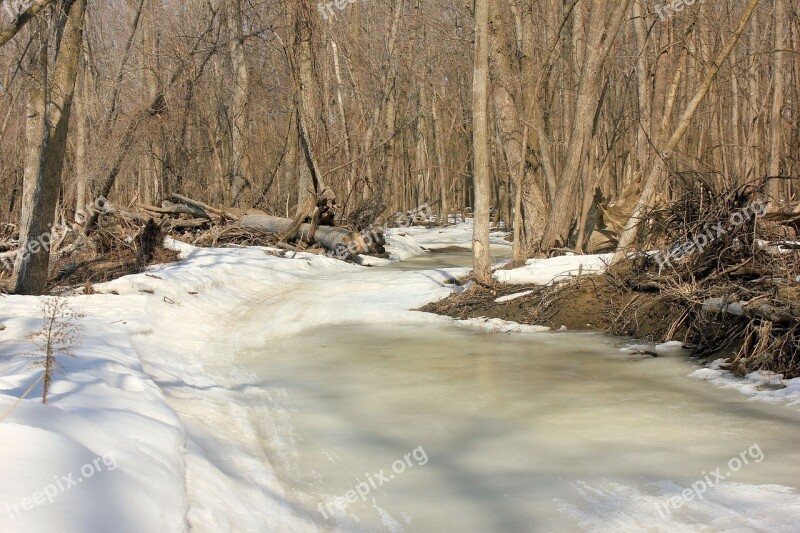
[[169, 208], [192, 223], [339, 240], [751, 309], [200, 205]]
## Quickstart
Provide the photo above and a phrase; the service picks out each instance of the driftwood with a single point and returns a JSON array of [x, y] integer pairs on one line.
[[291, 248], [192, 223], [339, 240]]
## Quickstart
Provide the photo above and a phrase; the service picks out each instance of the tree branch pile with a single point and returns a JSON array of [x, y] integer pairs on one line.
[[731, 262]]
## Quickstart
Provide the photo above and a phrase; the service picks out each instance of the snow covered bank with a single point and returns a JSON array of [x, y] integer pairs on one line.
[[153, 389], [763, 385], [553, 269], [405, 243], [105, 455]]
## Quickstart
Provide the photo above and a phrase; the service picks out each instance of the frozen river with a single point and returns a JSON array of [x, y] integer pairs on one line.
[[392, 426]]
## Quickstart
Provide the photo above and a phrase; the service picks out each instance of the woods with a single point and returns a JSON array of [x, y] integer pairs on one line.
[[569, 121], [256, 248]]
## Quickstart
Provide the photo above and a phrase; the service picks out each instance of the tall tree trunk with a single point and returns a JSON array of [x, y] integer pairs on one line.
[[778, 81], [152, 165], [481, 254], [643, 132], [587, 102], [33, 266], [240, 170], [35, 127], [441, 161], [351, 173], [307, 103], [81, 139]]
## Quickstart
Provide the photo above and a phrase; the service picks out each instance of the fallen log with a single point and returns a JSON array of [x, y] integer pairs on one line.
[[338, 240], [169, 208], [192, 223], [752, 309], [201, 205]]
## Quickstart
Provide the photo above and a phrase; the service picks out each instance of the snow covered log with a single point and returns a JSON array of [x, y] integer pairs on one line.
[[333, 239]]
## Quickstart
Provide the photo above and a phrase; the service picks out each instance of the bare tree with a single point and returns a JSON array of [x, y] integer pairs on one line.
[[481, 253], [32, 268]]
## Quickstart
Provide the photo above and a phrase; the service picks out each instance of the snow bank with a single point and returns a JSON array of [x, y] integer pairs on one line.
[[762, 385], [106, 454], [498, 325], [154, 391], [140, 393], [401, 246], [405, 243], [550, 270]]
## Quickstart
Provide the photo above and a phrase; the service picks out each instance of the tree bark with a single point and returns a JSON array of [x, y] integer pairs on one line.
[[31, 277], [776, 120], [239, 169], [481, 254]]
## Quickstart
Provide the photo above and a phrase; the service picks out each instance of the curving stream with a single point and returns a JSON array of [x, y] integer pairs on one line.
[[437, 427]]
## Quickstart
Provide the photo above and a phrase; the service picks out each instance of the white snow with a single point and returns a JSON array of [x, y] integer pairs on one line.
[[512, 297], [553, 269], [152, 387], [763, 385], [455, 236], [401, 246]]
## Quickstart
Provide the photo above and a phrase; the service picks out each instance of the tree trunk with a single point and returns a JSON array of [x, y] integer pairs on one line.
[[81, 140], [35, 128], [307, 103], [333, 239], [239, 169], [33, 266], [481, 254], [441, 161], [776, 120]]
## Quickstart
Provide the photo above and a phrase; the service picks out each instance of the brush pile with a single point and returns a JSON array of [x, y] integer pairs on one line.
[[729, 269], [123, 240]]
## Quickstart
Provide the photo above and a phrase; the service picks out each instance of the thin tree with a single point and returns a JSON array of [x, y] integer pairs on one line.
[[481, 254], [776, 126]]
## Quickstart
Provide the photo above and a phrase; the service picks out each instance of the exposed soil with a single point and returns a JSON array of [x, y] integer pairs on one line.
[[598, 302]]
